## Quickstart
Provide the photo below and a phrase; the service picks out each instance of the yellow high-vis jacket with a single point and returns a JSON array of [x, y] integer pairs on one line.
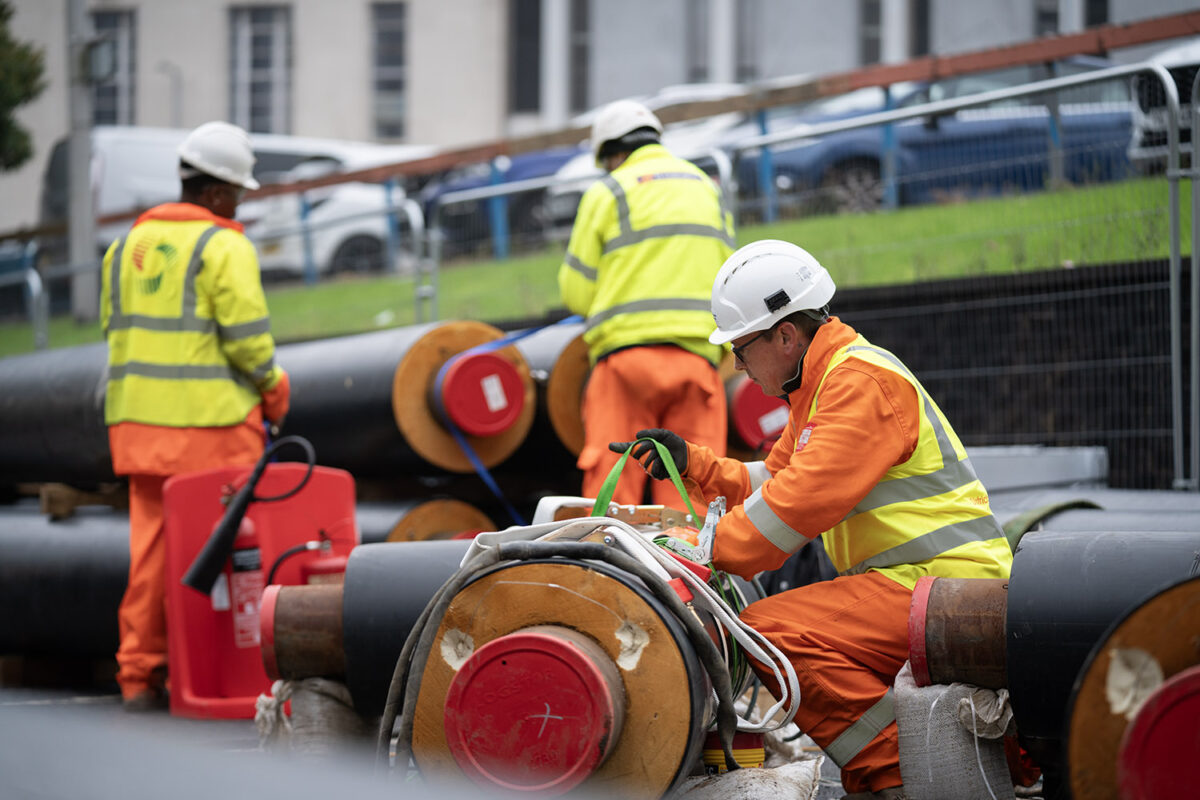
[[869, 463], [182, 306], [648, 241]]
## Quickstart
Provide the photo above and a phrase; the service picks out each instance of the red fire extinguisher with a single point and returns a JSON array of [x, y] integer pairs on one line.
[[239, 587]]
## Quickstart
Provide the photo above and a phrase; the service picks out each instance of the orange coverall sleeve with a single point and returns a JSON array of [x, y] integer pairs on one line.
[[867, 422]]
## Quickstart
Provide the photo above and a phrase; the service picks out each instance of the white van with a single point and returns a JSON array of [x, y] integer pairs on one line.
[[137, 167]]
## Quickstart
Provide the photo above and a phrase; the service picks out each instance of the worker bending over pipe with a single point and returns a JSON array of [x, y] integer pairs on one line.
[[869, 463]]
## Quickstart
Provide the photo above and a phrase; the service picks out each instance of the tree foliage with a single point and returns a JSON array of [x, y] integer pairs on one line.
[[21, 80]]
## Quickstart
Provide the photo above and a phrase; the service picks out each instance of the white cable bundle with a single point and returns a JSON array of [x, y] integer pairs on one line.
[[650, 555]]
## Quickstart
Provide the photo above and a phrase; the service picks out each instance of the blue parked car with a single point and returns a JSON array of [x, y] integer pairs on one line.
[[468, 225], [977, 151]]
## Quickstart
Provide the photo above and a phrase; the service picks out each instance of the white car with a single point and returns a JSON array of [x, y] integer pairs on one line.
[[347, 226], [1148, 145], [134, 168]]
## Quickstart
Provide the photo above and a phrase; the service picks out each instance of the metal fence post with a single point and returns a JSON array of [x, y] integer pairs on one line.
[[1194, 177], [498, 214], [1055, 161], [766, 174], [36, 301], [393, 225], [891, 197], [1172, 100], [425, 284], [310, 264]]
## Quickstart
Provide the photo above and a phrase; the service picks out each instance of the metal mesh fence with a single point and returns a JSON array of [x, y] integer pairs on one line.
[[1059, 357], [1015, 257]]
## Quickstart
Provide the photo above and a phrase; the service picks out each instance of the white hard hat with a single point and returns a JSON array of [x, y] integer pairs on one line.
[[221, 150], [764, 282], [619, 118]]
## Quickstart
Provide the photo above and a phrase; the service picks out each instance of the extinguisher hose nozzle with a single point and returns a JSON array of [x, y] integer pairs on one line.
[[203, 572]]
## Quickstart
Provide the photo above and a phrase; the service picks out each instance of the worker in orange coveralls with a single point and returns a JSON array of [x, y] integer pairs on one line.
[[191, 370], [869, 463], [648, 240]]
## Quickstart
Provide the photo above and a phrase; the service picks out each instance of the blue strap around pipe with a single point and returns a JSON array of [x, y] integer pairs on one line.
[[480, 468]]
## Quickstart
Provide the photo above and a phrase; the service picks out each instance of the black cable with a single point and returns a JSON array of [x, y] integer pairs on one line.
[[286, 554], [420, 639], [310, 457], [402, 674]]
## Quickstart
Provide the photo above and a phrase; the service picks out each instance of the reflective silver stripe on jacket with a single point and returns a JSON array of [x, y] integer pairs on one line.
[[623, 221], [661, 231], [934, 543], [768, 523], [852, 740], [953, 474], [261, 372], [758, 474], [583, 269], [114, 282], [653, 304], [195, 264], [244, 330], [187, 321], [628, 235], [673, 175], [178, 372], [165, 324]]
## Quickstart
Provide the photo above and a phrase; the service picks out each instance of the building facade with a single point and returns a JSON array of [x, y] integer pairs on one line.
[[469, 71]]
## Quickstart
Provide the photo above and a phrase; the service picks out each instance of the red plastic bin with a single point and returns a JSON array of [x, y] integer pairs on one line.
[[214, 672]]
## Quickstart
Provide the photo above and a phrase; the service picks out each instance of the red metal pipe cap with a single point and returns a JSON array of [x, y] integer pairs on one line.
[[757, 419], [918, 610], [537, 710], [482, 394], [1161, 747]]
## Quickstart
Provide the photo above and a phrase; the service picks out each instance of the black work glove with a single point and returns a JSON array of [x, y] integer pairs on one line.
[[647, 453]]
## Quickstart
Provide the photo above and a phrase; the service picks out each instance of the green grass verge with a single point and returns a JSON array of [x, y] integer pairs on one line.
[[1126, 221]]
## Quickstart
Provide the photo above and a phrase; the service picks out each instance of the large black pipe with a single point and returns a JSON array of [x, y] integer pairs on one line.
[[342, 399], [52, 408], [1011, 502], [1067, 588], [52, 416], [61, 582], [387, 587], [542, 450]]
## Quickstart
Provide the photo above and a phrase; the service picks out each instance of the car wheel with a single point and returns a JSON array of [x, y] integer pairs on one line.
[[852, 186], [360, 253]]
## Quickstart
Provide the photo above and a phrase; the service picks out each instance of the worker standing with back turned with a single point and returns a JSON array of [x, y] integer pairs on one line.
[[191, 370], [868, 462], [648, 240]]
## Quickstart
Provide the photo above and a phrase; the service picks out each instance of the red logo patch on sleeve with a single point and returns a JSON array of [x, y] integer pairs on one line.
[[805, 435]]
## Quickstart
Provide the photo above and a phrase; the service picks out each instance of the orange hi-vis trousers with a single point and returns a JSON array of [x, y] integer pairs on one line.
[[655, 386], [846, 638], [141, 618]]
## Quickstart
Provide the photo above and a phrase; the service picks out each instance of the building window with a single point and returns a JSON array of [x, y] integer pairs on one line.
[[918, 28], [747, 40], [389, 69], [1045, 17], [525, 39], [695, 22], [113, 100], [869, 31], [260, 65], [1095, 12], [580, 55]]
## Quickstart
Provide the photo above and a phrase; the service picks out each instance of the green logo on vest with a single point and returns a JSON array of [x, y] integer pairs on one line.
[[152, 264]]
